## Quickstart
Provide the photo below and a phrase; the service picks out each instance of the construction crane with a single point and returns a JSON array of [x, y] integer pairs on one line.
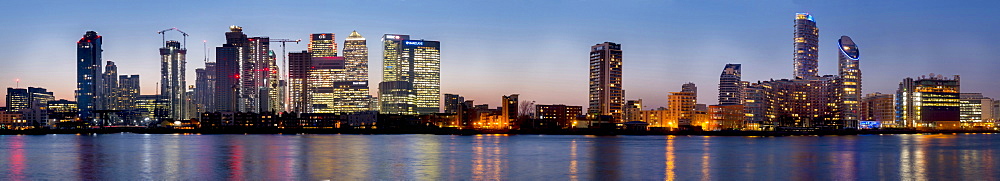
[[284, 55], [164, 37]]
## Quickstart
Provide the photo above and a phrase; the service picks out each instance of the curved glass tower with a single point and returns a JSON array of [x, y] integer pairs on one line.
[[850, 73]]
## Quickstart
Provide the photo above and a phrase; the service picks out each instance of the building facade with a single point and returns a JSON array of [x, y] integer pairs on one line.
[[173, 60], [607, 96], [850, 81], [878, 110], [806, 55], [730, 88], [88, 73], [929, 102]]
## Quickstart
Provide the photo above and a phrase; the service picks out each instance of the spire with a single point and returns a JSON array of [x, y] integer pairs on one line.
[[355, 36]]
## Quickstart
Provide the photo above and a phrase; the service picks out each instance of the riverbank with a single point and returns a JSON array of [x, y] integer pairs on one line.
[[470, 132]]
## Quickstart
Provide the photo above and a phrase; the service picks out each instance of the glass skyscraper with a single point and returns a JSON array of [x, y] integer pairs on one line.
[[850, 81], [411, 76], [172, 74], [730, 89], [88, 73]]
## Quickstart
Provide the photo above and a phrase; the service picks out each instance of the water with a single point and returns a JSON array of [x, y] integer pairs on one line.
[[498, 157]]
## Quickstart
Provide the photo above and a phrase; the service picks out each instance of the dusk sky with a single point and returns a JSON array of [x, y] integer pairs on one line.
[[538, 49]]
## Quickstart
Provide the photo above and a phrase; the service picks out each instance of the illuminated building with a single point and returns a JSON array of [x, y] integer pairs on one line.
[[228, 61], [794, 103], [298, 71], [929, 102], [173, 61], [109, 87], [356, 55], [607, 97], [632, 108], [453, 103], [681, 109], [730, 86], [323, 45], [205, 87], [18, 99], [690, 87], [879, 110], [975, 111], [561, 114], [274, 85], [128, 91], [850, 82], [329, 90], [13, 120], [753, 107], [509, 107], [88, 71], [729, 117], [255, 70], [152, 107], [806, 46], [414, 65], [63, 110]]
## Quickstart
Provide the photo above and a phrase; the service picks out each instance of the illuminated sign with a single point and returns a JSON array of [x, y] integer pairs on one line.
[[393, 37], [413, 42]]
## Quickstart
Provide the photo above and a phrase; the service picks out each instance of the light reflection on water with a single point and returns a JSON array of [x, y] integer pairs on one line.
[[497, 157]]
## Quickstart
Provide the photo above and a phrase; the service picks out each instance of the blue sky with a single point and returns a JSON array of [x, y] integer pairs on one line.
[[538, 49]]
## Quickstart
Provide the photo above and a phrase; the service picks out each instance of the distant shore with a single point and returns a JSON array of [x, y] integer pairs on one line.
[[473, 132]]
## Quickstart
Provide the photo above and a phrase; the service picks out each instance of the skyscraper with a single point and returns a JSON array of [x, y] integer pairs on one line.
[[253, 79], [690, 88], [275, 86], [172, 73], [356, 55], [88, 73], [423, 70], [205, 87], [299, 64], [411, 76], [606, 93], [730, 88], [806, 46], [128, 92], [850, 81], [109, 87], [329, 92], [323, 45], [229, 61]]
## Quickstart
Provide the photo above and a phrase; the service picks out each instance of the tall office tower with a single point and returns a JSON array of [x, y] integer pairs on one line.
[[298, 70], [275, 86], [327, 85], [509, 107], [975, 110], [229, 61], [453, 103], [356, 55], [395, 93], [606, 93], [806, 54], [850, 81], [323, 45], [88, 73], [109, 87], [632, 108], [392, 63], [928, 102], [172, 84], [128, 88], [730, 88], [690, 87], [208, 95], [254, 75], [878, 108], [200, 93], [423, 65]]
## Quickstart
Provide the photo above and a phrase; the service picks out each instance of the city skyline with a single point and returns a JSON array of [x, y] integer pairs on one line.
[[553, 71]]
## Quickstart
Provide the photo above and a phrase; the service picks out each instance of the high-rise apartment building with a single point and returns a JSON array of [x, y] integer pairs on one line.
[[691, 88], [681, 107], [205, 88], [109, 87], [607, 97], [88, 73], [730, 88], [850, 81], [806, 55], [254, 73], [128, 92], [173, 60], [929, 102], [275, 86]]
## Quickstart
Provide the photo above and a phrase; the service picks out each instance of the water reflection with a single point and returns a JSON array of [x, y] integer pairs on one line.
[[497, 157]]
